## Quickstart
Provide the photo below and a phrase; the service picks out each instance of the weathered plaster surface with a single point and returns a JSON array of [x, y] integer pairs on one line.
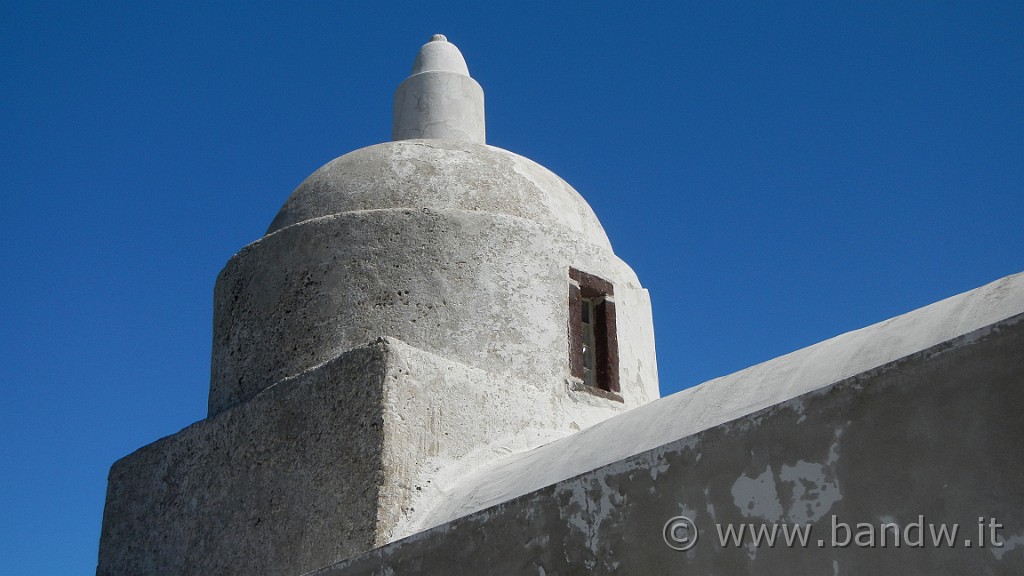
[[487, 290], [455, 247], [935, 433], [736, 395], [349, 455], [442, 175], [444, 419], [284, 483]]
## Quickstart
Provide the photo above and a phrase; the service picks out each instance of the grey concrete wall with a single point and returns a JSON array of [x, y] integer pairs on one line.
[[936, 434]]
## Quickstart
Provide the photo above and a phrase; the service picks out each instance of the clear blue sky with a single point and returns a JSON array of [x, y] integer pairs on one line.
[[776, 173]]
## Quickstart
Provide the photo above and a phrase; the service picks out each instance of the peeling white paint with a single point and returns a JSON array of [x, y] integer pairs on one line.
[[833, 450], [889, 519], [1009, 543], [588, 515], [815, 490], [710, 507], [758, 497], [655, 471]]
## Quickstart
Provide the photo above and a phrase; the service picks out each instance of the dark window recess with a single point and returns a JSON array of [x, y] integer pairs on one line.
[[593, 348]]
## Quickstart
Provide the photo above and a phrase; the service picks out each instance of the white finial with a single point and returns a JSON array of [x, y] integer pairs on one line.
[[439, 99]]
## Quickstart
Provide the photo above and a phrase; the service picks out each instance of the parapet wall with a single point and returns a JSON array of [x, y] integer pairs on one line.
[[915, 445]]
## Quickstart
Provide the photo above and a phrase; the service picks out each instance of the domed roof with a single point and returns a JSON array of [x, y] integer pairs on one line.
[[441, 175]]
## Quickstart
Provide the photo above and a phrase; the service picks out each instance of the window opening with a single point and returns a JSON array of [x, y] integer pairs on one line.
[[589, 359], [593, 352]]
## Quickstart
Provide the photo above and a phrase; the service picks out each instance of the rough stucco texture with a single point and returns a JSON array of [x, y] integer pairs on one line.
[[444, 419], [349, 455], [441, 175], [483, 289], [281, 484], [936, 434]]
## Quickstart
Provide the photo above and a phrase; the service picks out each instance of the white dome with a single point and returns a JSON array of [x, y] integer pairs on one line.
[[442, 175]]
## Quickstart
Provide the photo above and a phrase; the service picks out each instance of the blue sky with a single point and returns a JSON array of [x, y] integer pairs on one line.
[[777, 173]]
